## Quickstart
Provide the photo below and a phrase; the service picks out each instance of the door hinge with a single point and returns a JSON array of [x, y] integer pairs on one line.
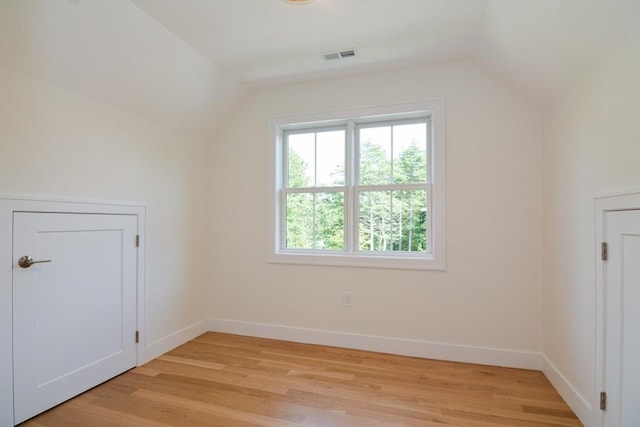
[[137, 240], [604, 252], [137, 337], [603, 401]]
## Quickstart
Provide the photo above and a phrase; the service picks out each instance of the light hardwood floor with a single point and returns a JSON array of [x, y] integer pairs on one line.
[[229, 380]]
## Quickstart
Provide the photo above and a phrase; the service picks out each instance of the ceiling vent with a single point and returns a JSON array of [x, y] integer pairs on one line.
[[341, 54]]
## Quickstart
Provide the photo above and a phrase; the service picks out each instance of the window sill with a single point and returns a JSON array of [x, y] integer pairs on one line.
[[417, 262]]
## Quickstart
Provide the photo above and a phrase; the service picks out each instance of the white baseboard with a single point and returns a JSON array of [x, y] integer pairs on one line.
[[581, 406], [171, 341], [406, 347]]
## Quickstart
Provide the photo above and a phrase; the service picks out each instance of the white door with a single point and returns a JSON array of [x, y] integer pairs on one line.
[[74, 318], [622, 319]]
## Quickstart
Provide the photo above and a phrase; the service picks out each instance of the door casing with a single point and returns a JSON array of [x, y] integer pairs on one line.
[[10, 204], [605, 203]]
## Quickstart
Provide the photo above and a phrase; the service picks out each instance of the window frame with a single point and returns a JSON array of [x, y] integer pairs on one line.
[[352, 120], [284, 190]]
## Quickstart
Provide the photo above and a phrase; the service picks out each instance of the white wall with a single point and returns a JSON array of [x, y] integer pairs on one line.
[[489, 296], [56, 143], [98, 100], [591, 147]]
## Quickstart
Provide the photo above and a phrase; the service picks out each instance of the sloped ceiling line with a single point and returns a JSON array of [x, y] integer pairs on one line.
[[186, 62]]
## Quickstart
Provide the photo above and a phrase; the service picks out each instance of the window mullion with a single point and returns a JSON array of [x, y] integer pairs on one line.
[[283, 219], [283, 195], [429, 151], [391, 230], [351, 214], [395, 187], [315, 159], [393, 181], [313, 223], [430, 230]]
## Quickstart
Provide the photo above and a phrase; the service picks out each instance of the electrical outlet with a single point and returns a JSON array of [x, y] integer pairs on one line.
[[347, 299]]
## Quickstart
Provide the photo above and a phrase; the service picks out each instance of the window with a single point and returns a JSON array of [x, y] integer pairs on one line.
[[360, 188]]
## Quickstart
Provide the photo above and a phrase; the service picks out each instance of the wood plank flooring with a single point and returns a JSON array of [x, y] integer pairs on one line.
[[229, 380]]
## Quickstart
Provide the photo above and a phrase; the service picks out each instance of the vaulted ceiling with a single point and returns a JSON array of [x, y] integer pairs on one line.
[[187, 60], [536, 46]]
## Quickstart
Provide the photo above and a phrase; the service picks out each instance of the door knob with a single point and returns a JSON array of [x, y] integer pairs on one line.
[[26, 261]]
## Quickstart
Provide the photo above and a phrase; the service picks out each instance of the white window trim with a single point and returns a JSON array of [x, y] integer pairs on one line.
[[435, 109]]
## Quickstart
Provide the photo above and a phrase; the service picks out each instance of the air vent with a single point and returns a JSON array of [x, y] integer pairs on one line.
[[332, 56], [341, 54]]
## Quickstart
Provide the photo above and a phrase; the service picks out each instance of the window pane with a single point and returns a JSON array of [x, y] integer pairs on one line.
[[375, 220], [299, 211], [301, 160], [375, 155], [315, 221], [410, 153], [329, 220], [330, 158], [393, 221], [410, 221]]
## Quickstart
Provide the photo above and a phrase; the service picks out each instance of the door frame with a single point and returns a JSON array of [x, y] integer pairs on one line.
[[604, 204], [12, 203]]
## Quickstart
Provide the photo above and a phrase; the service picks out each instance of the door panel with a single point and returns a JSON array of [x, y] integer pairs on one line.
[[74, 318], [622, 330]]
